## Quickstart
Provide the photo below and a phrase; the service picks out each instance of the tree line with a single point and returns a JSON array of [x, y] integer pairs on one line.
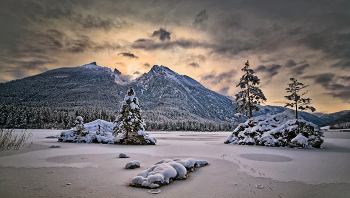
[[22, 117]]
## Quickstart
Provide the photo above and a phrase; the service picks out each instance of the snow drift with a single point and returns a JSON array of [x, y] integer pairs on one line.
[[166, 170], [98, 131], [277, 130]]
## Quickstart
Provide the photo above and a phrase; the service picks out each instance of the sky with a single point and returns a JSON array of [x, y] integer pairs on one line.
[[207, 40]]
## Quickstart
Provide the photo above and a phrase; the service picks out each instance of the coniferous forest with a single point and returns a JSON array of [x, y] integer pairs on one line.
[[48, 118]]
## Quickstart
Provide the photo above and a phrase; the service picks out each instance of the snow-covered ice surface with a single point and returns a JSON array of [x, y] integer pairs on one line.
[[233, 170]]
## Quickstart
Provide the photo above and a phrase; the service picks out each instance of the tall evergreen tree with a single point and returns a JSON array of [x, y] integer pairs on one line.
[[296, 100], [251, 96], [129, 121]]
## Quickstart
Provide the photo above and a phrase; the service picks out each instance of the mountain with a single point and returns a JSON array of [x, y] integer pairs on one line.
[[163, 94]]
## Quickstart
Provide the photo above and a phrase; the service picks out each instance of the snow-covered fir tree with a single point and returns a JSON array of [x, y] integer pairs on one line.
[[251, 96], [129, 124], [296, 100], [79, 125]]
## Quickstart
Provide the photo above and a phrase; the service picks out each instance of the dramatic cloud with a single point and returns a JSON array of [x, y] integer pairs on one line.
[[344, 63], [183, 43], [323, 79], [162, 34], [271, 70], [80, 45], [210, 35], [329, 82], [225, 77], [121, 64], [129, 55], [199, 20], [224, 91], [290, 63], [299, 69], [193, 64], [96, 22]]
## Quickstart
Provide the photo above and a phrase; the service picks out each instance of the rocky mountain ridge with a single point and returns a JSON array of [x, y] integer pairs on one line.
[[163, 94]]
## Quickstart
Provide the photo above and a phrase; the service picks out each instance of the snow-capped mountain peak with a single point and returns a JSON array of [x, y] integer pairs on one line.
[[94, 66]]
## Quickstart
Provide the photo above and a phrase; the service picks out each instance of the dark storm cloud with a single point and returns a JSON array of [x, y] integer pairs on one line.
[[225, 77], [80, 45], [344, 95], [224, 91], [31, 65], [21, 68], [346, 78], [143, 40], [137, 72], [271, 70], [334, 44], [207, 77], [162, 34], [199, 20], [343, 63], [194, 65], [329, 82], [146, 65], [290, 63], [96, 22], [324, 79], [128, 54], [121, 64], [183, 43], [298, 70], [106, 46]]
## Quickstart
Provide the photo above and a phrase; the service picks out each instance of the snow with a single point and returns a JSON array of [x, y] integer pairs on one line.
[[98, 131], [300, 140], [132, 165], [162, 171], [276, 130], [230, 172], [123, 155]]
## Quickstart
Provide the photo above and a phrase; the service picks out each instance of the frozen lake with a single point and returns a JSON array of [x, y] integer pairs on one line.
[[306, 167]]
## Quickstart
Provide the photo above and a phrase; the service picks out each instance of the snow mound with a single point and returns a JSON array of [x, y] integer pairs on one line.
[[98, 131], [277, 130], [123, 155], [165, 171], [132, 165]]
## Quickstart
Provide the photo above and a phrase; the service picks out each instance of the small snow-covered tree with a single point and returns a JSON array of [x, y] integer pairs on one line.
[[296, 100], [251, 96], [129, 121], [79, 125]]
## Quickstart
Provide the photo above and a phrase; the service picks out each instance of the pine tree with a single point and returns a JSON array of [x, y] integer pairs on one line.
[[79, 125], [129, 121], [251, 96], [296, 100]]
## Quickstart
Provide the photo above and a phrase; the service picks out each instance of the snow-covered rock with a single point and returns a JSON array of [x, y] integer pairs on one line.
[[277, 130], [98, 131], [132, 165], [166, 170], [123, 155]]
